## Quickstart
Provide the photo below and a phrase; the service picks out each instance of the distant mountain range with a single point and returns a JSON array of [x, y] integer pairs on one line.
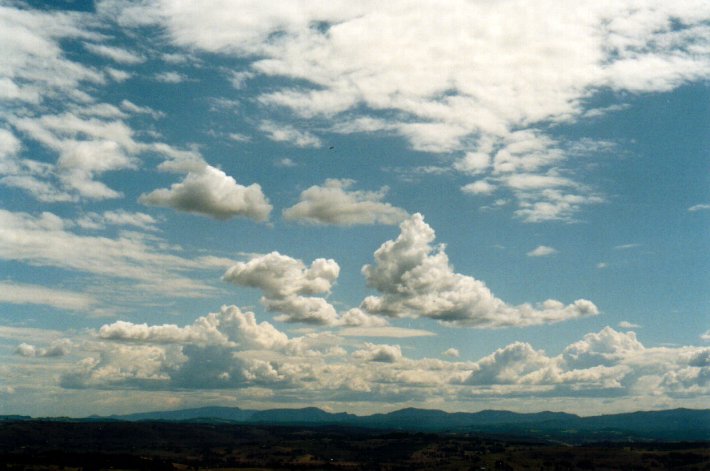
[[668, 425]]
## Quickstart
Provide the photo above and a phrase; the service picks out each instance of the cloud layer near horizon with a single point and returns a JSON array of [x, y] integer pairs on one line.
[[230, 349]]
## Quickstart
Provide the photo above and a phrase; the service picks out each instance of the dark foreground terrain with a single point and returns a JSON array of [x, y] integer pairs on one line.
[[44, 445]]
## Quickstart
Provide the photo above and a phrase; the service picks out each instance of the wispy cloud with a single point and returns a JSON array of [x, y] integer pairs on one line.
[[542, 251]]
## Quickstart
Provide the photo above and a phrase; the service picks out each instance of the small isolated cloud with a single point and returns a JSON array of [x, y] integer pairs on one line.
[[480, 187], [451, 353], [706, 336], [699, 207], [286, 163], [628, 325], [379, 353], [239, 137], [117, 54], [542, 251], [58, 348], [334, 203], [170, 77], [415, 279], [626, 246], [602, 265], [285, 133], [208, 191]]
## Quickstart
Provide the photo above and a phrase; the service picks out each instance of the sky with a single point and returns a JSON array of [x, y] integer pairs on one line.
[[358, 206]]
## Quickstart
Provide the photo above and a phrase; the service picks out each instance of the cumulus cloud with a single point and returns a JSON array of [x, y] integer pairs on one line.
[[379, 353], [229, 349], [628, 325], [542, 251], [451, 352], [334, 203], [699, 207], [287, 284], [58, 348], [208, 191], [603, 348], [415, 279], [509, 365], [228, 327]]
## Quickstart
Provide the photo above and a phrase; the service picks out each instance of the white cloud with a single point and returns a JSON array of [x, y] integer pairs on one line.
[[86, 148], [626, 246], [628, 325], [209, 191], [542, 251], [334, 203], [170, 77], [451, 353], [287, 284], [34, 67], [603, 348], [491, 69], [415, 279], [379, 353], [46, 240], [229, 327], [286, 163], [509, 365], [135, 109], [117, 54], [118, 217], [699, 207], [286, 133], [281, 276], [706, 336], [57, 348], [473, 163], [385, 331], [479, 187], [21, 293], [229, 349]]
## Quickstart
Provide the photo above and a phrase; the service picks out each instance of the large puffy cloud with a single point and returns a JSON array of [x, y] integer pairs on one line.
[[229, 326], [289, 285], [476, 77], [281, 276], [334, 203], [209, 191], [603, 348], [415, 279]]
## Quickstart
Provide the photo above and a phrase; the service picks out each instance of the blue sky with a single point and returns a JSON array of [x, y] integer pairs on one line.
[[359, 207]]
